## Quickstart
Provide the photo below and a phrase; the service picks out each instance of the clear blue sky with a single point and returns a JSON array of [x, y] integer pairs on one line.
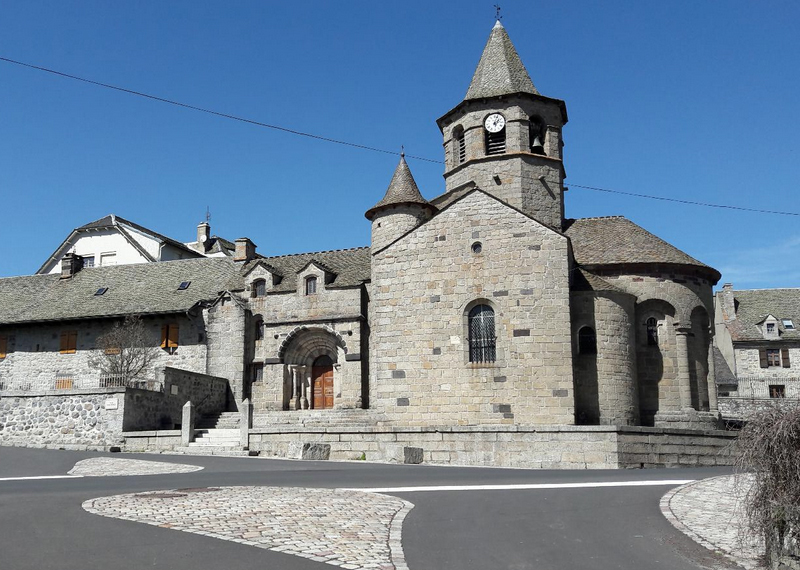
[[689, 100]]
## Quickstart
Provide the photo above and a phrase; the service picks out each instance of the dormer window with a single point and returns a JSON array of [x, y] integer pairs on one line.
[[770, 328], [259, 288], [311, 285]]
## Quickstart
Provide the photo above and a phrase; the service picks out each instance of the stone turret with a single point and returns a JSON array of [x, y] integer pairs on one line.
[[401, 210], [505, 136]]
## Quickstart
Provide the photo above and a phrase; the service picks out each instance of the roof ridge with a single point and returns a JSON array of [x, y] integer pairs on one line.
[[314, 252], [616, 216]]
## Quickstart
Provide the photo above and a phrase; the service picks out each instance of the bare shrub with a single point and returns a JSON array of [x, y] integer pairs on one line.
[[769, 448], [126, 351]]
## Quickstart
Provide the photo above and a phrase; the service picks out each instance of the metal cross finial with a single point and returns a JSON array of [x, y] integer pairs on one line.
[[497, 15]]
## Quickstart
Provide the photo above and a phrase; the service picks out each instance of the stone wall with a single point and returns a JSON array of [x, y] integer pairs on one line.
[[733, 408], [73, 419], [749, 364], [540, 447], [422, 290], [226, 324], [605, 382], [96, 418], [34, 359]]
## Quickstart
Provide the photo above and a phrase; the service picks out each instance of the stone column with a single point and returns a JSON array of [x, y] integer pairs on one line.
[[684, 378], [712, 380], [296, 387], [245, 423], [306, 381]]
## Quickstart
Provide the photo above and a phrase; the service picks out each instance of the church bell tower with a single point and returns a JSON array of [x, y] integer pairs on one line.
[[505, 137]]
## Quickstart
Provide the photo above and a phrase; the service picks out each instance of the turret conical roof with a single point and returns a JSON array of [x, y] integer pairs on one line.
[[500, 70], [402, 190]]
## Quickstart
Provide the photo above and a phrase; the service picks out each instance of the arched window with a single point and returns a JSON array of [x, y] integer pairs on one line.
[[536, 135], [259, 330], [482, 341], [460, 145], [259, 288], [652, 331], [587, 341], [311, 285]]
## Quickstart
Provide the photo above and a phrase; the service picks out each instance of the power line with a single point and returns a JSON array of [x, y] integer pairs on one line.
[[361, 146]]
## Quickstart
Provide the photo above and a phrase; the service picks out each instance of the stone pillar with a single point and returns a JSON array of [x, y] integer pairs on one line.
[[305, 382], [296, 388], [187, 424], [712, 381], [245, 423], [684, 378]]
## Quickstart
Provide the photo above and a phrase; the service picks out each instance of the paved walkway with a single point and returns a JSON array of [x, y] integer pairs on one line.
[[710, 512], [110, 467], [345, 528]]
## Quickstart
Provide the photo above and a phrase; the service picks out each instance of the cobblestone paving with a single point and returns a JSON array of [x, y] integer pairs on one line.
[[110, 467], [349, 529], [709, 512]]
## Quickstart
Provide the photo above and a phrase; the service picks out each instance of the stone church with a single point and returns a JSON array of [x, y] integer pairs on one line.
[[482, 306]]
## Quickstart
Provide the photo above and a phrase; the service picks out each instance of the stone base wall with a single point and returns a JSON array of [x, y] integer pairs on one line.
[[556, 447], [68, 419]]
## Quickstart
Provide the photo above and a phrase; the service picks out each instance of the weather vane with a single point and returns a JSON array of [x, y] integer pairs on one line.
[[497, 12]]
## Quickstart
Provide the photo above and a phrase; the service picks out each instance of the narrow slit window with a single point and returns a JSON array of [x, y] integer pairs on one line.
[[652, 331], [461, 146], [587, 341]]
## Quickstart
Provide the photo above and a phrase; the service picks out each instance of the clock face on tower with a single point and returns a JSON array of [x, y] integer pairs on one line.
[[495, 122]]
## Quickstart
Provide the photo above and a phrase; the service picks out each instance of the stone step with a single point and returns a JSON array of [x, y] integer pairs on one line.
[[229, 451]]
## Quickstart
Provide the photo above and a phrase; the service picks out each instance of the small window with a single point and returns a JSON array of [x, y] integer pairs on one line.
[[311, 285], [184, 285], [3, 347], [108, 258], [259, 288], [64, 382], [169, 338], [770, 328], [788, 324], [773, 357], [652, 331], [477, 247], [777, 391], [100, 291], [259, 330], [88, 261], [482, 340], [68, 343], [258, 372], [587, 341]]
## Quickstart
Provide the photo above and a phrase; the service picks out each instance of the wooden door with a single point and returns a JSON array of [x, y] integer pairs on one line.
[[322, 376]]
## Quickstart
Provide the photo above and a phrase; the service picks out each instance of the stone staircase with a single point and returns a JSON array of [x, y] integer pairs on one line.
[[223, 420], [318, 419]]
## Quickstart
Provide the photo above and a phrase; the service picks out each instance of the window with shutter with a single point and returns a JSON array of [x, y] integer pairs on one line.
[[3, 347], [69, 342], [762, 358], [169, 337], [785, 358], [495, 142]]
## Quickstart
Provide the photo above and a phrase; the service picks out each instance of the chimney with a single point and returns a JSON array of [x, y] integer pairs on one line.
[[203, 234], [727, 303], [245, 250], [70, 265]]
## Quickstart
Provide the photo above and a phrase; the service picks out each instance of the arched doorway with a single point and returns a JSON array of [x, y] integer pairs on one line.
[[322, 383]]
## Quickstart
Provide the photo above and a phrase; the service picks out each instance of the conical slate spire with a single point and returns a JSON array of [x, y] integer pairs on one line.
[[500, 70], [402, 190]]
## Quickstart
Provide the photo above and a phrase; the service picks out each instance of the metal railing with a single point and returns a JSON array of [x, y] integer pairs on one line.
[[78, 382]]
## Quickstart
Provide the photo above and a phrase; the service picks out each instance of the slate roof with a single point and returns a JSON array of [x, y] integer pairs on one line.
[[615, 240], [722, 372], [142, 288], [754, 305], [402, 190], [587, 281], [351, 267], [500, 70]]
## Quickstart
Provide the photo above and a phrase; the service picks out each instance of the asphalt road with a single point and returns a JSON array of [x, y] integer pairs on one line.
[[42, 524]]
